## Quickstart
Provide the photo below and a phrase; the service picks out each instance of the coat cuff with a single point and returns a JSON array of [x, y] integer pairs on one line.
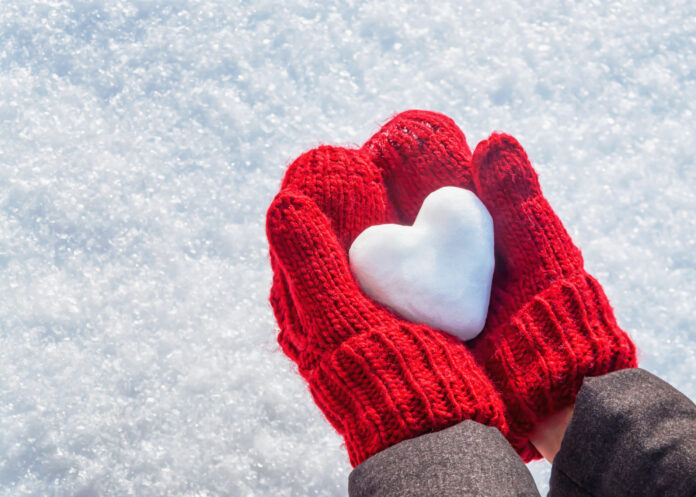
[[631, 434], [468, 458]]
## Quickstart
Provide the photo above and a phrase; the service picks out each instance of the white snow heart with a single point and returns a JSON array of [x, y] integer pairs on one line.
[[437, 272]]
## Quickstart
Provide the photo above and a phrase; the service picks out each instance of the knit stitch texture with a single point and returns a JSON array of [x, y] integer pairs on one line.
[[378, 379], [549, 322]]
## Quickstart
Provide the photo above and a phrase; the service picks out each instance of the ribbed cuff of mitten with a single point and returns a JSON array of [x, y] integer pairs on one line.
[[400, 381], [540, 357]]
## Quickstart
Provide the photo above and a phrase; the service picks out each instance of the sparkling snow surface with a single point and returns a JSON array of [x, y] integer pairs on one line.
[[141, 143]]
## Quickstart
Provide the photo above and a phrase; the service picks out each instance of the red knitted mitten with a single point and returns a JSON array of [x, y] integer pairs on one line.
[[419, 152], [378, 379], [549, 322]]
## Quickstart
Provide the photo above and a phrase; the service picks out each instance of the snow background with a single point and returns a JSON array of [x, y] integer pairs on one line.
[[140, 146]]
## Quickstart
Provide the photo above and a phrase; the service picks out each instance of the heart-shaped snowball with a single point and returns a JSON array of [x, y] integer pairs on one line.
[[437, 272]]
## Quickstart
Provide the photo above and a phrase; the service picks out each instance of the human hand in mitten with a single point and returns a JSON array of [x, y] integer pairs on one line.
[[378, 379], [549, 322]]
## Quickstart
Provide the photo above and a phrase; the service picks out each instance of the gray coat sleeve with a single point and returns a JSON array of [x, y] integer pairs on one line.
[[631, 434], [466, 459]]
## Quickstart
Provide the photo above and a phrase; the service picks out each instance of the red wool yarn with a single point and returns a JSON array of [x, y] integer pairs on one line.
[[549, 322], [379, 379]]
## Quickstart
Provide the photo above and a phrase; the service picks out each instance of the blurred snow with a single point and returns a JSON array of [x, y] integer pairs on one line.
[[141, 143]]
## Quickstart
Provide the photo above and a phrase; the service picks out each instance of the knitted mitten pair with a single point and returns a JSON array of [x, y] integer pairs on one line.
[[379, 379]]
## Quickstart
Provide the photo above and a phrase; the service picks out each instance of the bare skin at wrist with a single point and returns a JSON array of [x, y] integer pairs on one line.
[[548, 435]]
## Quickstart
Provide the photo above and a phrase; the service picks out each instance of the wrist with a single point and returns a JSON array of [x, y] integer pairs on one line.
[[548, 434]]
